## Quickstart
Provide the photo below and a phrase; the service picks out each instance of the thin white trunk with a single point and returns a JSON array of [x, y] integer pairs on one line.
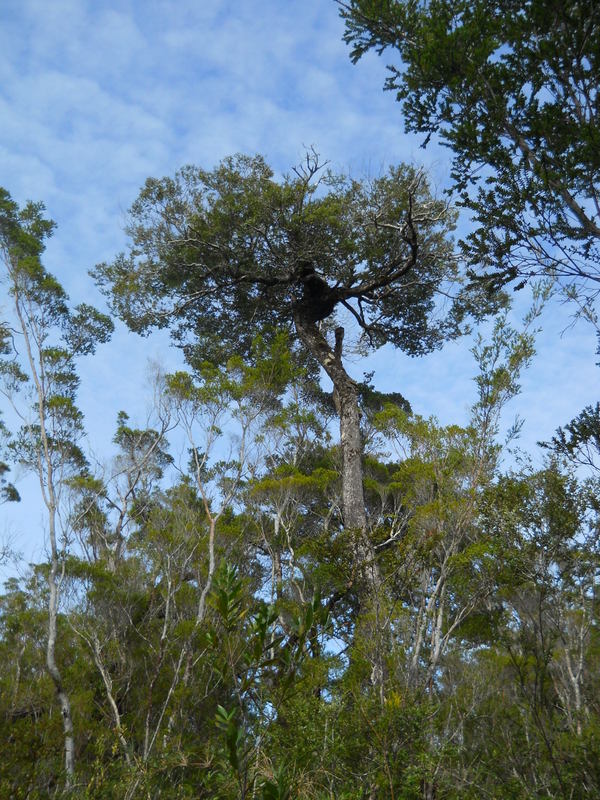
[[47, 483], [107, 680]]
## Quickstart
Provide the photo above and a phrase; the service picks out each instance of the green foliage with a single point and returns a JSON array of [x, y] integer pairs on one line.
[[278, 788], [233, 734], [55, 336], [211, 633], [579, 440], [220, 255], [8, 492], [512, 89], [227, 597], [278, 700]]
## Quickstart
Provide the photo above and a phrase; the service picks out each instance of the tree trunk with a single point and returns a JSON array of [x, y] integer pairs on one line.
[[61, 695], [48, 487], [353, 500]]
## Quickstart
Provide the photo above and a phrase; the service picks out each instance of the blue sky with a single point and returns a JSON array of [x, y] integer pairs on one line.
[[97, 96]]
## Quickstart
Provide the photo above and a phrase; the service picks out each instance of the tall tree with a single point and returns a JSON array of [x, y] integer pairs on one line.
[[222, 255], [512, 88], [40, 370]]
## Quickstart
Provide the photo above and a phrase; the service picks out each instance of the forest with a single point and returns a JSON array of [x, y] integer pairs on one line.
[[332, 595]]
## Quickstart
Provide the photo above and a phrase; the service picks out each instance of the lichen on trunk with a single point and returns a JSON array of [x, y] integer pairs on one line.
[[365, 566]]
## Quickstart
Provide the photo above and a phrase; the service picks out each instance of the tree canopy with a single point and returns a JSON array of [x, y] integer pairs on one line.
[[221, 254], [512, 89]]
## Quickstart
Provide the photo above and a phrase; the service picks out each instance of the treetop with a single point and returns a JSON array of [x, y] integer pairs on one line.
[[225, 254]]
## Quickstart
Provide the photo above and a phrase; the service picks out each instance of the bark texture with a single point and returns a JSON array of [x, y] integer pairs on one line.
[[346, 398], [61, 695]]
